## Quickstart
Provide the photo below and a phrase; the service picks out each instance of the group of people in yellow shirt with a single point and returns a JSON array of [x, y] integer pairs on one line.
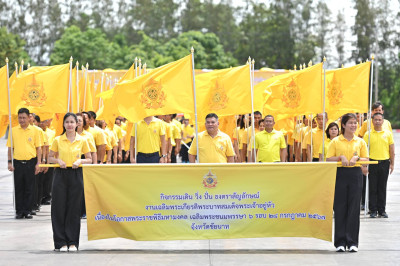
[[161, 139]]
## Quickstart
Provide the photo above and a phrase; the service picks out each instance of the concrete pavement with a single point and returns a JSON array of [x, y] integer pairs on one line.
[[29, 242]]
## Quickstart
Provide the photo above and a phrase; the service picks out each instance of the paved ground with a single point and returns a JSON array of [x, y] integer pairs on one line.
[[29, 242]]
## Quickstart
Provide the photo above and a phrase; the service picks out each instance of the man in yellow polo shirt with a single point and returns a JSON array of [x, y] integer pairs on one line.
[[382, 150], [150, 141], [98, 136], [270, 143], [248, 134], [214, 145], [317, 135], [26, 149], [377, 107]]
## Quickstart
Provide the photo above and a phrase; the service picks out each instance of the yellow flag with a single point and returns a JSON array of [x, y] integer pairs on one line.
[[41, 89], [295, 93], [224, 92], [86, 102], [347, 90], [109, 110], [130, 74], [3, 91], [165, 90]]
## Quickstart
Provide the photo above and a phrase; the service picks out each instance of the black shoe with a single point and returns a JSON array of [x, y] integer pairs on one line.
[[362, 207], [19, 216], [28, 216], [33, 212], [383, 215], [46, 203], [373, 215]]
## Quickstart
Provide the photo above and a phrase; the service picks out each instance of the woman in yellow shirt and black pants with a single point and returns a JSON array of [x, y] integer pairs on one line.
[[66, 150], [348, 149]]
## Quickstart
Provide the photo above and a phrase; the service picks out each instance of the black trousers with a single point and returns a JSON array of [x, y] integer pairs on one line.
[[185, 152], [24, 184], [173, 156], [347, 206], [38, 191], [47, 184], [66, 206], [378, 177], [315, 159], [148, 157]]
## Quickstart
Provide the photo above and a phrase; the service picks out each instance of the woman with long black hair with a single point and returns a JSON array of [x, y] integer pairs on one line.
[[66, 151], [348, 149]]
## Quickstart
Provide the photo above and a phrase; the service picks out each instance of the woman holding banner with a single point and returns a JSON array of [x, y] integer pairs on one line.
[[348, 149], [66, 151]]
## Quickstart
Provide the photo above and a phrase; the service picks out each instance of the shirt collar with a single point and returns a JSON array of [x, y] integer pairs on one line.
[[341, 137], [63, 137], [219, 134]]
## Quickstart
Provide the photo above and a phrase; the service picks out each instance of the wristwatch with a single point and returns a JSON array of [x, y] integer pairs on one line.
[[164, 155]]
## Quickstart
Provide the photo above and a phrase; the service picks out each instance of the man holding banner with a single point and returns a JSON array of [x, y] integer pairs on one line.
[[214, 145]]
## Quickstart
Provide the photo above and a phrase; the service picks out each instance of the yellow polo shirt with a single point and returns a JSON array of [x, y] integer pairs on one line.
[[238, 135], [269, 146], [68, 151], [98, 135], [25, 142], [90, 140], [213, 150], [326, 145], [248, 133], [316, 141], [51, 134], [380, 142], [341, 146], [175, 133], [43, 137], [364, 128], [148, 140], [118, 131], [188, 131]]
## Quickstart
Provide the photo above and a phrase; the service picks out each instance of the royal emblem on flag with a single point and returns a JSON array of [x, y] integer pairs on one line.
[[219, 99], [34, 93], [291, 95], [210, 180], [335, 94], [152, 96]]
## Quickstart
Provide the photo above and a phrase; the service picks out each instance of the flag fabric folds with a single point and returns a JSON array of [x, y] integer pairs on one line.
[[166, 90], [347, 90], [3, 91], [294, 93], [225, 92], [41, 89]]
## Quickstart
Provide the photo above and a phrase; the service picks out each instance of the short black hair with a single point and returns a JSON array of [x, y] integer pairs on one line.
[[345, 118], [333, 124], [257, 113], [23, 111], [37, 118], [212, 115], [376, 105], [378, 114], [269, 116], [91, 114]]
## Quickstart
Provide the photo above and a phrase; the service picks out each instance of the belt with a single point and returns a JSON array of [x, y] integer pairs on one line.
[[380, 161], [149, 154], [24, 161]]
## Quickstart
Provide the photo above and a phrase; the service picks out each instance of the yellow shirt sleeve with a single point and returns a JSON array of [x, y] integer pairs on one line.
[[363, 149], [85, 147], [229, 148], [193, 148], [331, 149], [54, 145], [283, 142]]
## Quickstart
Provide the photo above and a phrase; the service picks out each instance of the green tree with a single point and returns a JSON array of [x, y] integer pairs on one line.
[[323, 31], [11, 46], [364, 30], [89, 46], [340, 30]]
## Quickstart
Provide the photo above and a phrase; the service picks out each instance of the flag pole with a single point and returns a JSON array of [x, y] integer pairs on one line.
[[251, 63], [140, 67], [16, 69], [136, 75], [70, 83], [101, 86], [10, 129], [77, 86], [195, 107], [323, 113], [369, 132], [84, 95], [22, 66]]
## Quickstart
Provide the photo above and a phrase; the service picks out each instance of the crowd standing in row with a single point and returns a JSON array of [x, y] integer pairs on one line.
[[164, 139]]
